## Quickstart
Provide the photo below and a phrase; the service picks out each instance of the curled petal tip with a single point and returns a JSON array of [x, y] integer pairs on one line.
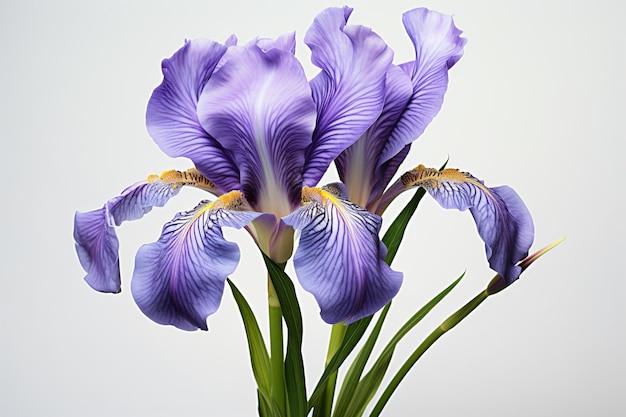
[[498, 283]]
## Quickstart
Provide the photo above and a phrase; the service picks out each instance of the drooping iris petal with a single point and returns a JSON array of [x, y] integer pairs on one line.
[[98, 250], [438, 46], [503, 221], [350, 89], [171, 116], [340, 259], [259, 106], [359, 166], [96, 241], [179, 279]]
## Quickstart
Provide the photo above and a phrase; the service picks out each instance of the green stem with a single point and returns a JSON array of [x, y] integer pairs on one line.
[[336, 338], [448, 324], [277, 364]]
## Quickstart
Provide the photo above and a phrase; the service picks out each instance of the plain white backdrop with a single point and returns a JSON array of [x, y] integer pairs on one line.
[[537, 102]]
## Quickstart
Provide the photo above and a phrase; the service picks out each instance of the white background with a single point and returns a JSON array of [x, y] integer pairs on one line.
[[537, 102]]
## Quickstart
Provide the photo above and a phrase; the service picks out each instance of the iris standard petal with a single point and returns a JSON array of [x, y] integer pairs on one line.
[[503, 221], [96, 241], [286, 42], [438, 46], [259, 106], [349, 91], [340, 259], [359, 166], [171, 116], [179, 279]]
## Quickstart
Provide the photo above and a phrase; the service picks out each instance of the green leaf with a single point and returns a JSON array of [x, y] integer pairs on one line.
[[355, 371], [395, 233], [426, 343], [258, 352], [294, 366], [367, 387], [353, 335]]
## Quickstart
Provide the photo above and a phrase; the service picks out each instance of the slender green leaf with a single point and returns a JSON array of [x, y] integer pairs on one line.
[[353, 335], [258, 352], [294, 366], [367, 387], [447, 324], [395, 233], [355, 371]]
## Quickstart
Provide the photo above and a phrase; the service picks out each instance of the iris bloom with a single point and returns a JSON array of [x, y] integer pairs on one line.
[[260, 136]]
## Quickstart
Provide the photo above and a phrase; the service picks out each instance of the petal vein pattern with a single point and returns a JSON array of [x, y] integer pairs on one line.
[[259, 106], [172, 119], [438, 46], [340, 259], [349, 91], [94, 233], [179, 280], [503, 221]]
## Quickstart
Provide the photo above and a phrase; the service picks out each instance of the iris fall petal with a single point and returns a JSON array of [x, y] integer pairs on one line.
[[340, 259], [179, 280], [94, 233], [503, 221]]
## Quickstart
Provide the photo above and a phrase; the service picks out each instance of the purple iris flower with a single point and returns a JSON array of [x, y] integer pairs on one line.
[[260, 136]]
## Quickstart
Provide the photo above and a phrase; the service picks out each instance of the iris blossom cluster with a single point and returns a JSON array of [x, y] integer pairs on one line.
[[261, 136]]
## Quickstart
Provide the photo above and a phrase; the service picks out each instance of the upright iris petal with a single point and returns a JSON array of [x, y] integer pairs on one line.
[[438, 46], [413, 97], [171, 116], [358, 166], [340, 259], [503, 221], [179, 279], [349, 90], [259, 106]]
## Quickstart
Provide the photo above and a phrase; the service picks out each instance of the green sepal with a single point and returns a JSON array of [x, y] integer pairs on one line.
[[294, 365], [259, 357]]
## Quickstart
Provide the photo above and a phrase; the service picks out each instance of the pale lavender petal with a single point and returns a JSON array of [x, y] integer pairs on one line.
[[179, 280], [96, 242], [340, 259], [349, 91], [171, 116], [286, 42], [259, 106], [358, 166], [438, 46], [503, 221], [97, 248]]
